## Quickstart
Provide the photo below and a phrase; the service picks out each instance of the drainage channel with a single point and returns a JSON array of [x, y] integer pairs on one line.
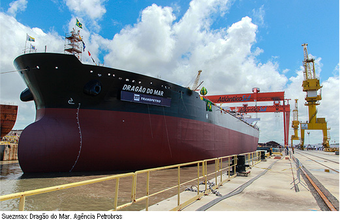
[[325, 200]]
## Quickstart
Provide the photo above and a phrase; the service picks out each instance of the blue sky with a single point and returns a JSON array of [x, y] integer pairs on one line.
[[284, 27], [238, 44]]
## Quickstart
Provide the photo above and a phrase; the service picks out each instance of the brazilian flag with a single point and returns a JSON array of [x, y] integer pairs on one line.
[[80, 25], [209, 105]]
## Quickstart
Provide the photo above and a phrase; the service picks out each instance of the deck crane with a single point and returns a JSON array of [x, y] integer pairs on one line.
[[311, 85], [295, 124]]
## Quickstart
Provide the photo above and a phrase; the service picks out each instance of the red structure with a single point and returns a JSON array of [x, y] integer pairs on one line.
[[252, 109], [247, 97], [8, 116], [276, 97]]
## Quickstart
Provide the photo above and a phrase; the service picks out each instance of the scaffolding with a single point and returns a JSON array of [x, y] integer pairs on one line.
[[74, 44]]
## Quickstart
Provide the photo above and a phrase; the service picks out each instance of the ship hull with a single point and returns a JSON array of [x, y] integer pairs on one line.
[[84, 131]]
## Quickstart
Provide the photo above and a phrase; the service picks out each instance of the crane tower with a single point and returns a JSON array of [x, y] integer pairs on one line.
[[311, 85], [295, 124]]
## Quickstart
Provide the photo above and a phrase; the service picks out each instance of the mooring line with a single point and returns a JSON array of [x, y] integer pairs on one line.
[[12, 71]]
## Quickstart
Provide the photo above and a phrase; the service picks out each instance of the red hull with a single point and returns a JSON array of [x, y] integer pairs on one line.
[[65, 140]]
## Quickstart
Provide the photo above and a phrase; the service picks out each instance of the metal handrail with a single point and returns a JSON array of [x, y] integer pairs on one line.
[[202, 173], [23, 195]]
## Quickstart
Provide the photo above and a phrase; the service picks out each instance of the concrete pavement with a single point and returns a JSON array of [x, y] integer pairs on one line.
[[274, 191]]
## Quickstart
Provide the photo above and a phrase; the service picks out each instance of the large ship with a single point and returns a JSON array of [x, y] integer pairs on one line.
[[94, 118]]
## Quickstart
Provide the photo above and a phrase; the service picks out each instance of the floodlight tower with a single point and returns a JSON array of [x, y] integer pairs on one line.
[[311, 85], [295, 124]]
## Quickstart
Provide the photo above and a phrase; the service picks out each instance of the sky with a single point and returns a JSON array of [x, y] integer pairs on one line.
[[237, 44]]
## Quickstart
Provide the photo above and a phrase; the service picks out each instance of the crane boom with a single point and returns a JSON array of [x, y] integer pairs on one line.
[[309, 71], [196, 85]]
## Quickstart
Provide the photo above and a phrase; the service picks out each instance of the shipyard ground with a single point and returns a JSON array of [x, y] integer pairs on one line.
[[275, 190]]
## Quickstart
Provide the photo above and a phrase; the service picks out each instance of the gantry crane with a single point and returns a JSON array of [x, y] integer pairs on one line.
[[311, 85], [295, 124], [276, 97]]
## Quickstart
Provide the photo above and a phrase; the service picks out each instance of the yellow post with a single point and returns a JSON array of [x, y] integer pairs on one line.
[[205, 176], [253, 158], [249, 159], [116, 194], [216, 170], [198, 178], [179, 185], [221, 168], [22, 203], [228, 167], [133, 189], [147, 190], [235, 164]]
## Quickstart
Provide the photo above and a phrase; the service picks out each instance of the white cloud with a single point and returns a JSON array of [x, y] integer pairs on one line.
[[285, 71], [15, 6], [335, 72], [258, 15], [329, 107], [92, 8], [177, 50], [12, 45], [146, 46], [88, 9]]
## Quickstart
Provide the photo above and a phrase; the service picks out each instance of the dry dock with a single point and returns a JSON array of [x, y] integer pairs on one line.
[[277, 184]]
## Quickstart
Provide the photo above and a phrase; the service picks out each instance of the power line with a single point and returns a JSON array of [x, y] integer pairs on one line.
[[12, 71]]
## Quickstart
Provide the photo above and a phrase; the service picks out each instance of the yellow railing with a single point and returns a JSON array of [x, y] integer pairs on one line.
[[226, 165], [252, 158]]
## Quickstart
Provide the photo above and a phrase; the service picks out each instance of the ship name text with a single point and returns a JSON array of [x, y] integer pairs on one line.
[[141, 89]]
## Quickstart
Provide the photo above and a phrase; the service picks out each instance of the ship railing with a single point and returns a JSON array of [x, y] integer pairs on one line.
[[211, 174]]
